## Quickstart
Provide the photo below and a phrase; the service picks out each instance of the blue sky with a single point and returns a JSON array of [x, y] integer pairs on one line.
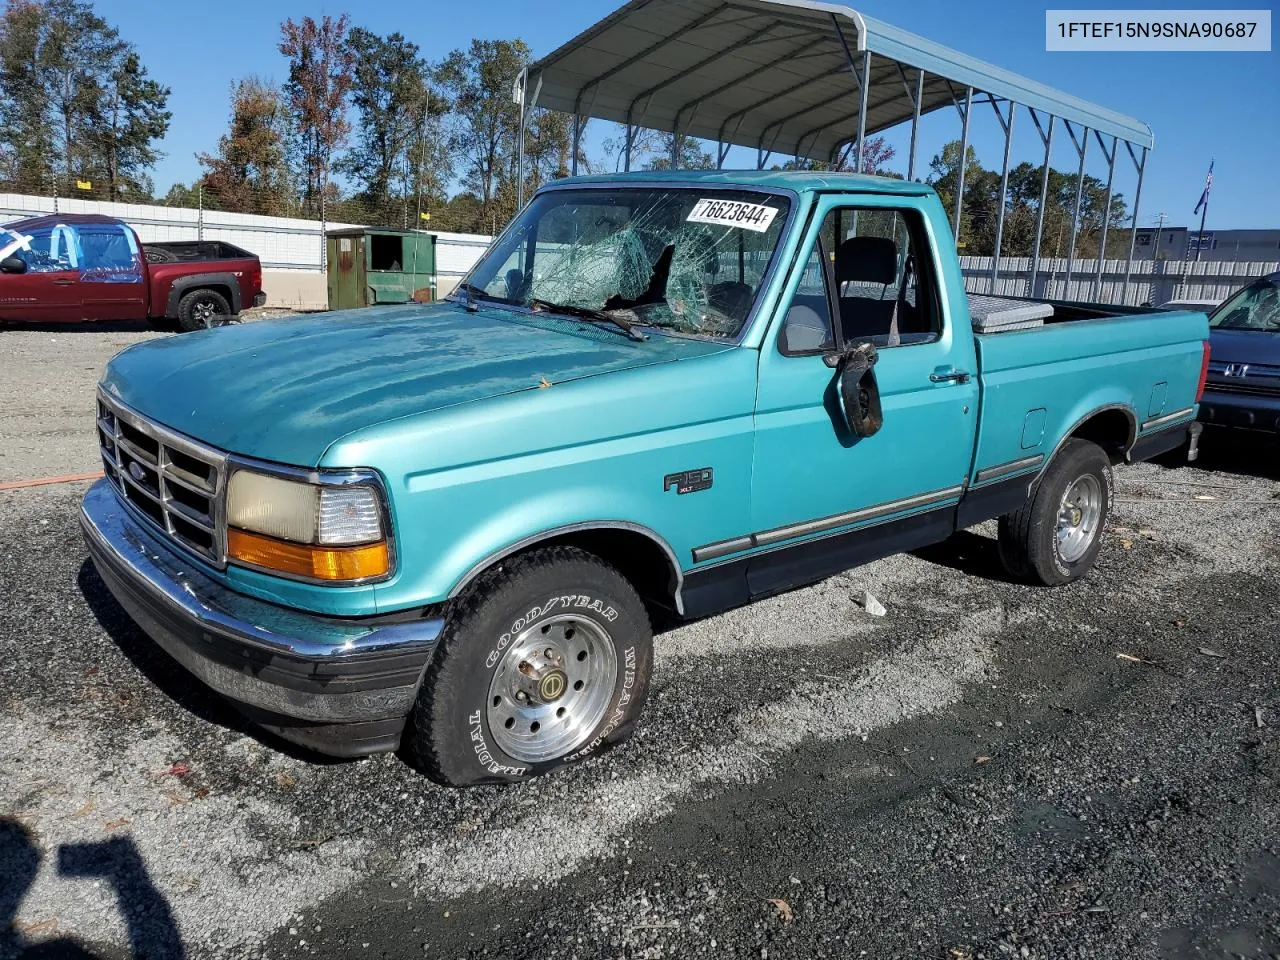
[[1200, 105]]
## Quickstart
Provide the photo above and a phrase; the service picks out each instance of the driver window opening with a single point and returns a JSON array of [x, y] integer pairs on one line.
[[883, 275]]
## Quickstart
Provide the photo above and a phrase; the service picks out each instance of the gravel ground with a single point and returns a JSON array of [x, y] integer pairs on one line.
[[990, 770], [47, 392]]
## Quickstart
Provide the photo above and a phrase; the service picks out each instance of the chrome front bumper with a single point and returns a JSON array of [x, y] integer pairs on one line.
[[342, 687]]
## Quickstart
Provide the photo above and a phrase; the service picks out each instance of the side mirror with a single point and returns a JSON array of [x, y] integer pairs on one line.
[[859, 389], [13, 265]]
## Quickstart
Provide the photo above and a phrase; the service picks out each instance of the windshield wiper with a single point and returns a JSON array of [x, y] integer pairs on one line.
[[586, 313], [471, 293]]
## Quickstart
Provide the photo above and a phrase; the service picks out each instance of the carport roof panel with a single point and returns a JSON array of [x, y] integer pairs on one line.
[[774, 74]]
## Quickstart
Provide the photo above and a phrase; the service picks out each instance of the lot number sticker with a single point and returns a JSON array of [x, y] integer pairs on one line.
[[732, 213]]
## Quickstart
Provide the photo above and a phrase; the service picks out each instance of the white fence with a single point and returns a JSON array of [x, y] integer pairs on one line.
[[291, 249], [1150, 282], [292, 254]]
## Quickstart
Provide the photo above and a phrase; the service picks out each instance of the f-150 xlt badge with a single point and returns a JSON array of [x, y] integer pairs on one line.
[[690, 481]]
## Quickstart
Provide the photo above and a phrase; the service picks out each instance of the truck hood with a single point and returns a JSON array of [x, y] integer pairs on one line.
[[1245, 346], [285, 390]]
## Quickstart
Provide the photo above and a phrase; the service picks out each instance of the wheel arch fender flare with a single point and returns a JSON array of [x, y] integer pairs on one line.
[[1079, 420], [570, 531], [196, 281]]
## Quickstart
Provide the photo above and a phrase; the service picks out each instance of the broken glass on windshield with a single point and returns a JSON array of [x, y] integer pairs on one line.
[[690, 261]]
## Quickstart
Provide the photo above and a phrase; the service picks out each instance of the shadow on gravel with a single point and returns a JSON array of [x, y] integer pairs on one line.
[[968, 552], [171, 678], [148, 919], [1248, 453]]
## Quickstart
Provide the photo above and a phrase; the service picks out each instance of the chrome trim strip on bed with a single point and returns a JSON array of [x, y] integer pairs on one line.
[[1168, 418], [1005, 469], [722, 548]]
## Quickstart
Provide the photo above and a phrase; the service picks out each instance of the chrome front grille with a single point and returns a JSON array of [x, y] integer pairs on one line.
[[173, 481]]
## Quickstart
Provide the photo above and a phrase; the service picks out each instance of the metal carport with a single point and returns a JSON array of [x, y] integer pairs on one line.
[[809, 79]]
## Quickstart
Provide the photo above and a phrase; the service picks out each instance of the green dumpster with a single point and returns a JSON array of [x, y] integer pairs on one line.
[[368, 266]]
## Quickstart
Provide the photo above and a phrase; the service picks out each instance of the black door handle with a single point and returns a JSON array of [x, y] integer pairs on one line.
[[63, 283], [959, 376]]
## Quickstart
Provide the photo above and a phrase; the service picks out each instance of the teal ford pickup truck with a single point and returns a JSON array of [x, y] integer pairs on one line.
[[447, 527]]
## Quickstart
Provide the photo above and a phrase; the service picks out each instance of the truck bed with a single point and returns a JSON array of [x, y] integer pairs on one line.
[[999, 314], [1039, 384], [193, 251]]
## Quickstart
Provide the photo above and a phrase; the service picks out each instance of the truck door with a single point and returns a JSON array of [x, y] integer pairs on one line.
[[48, 291], [871, 274], [112, 275]]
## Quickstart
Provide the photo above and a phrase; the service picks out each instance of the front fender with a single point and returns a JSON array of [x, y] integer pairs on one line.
[[473, 483]]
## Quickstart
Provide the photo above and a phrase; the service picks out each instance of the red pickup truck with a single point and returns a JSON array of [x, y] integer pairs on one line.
[[66, 268]]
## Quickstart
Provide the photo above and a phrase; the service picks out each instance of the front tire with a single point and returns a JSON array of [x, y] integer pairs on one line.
[[202, 309], [545, 662], [1054, 539]]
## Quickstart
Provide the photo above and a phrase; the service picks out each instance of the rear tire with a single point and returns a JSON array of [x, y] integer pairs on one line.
[[202, 309], [545, 662], [1054, 539]]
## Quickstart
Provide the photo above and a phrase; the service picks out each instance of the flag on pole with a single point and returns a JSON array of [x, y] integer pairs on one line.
[[1208, 185]]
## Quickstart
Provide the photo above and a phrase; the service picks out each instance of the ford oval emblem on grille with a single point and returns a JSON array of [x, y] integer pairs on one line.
[[137, 472]]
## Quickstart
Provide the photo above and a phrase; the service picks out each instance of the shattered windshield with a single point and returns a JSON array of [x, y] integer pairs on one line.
[[691, 261], [1256, 307]]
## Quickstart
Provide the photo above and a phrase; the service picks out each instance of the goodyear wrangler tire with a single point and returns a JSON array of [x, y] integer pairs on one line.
[[1055, 537], [545, 662]]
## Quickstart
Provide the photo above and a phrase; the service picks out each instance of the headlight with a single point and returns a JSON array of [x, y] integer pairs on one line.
[[311, 530]]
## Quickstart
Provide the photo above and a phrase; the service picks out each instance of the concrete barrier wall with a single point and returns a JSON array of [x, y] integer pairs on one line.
[[296, 289]]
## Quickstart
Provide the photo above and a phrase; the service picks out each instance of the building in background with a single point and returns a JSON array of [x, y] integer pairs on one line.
[[1180, 243]]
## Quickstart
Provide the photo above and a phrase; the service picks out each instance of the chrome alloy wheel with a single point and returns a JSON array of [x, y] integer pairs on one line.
[[1078, 518], [206, 314], [551, 688]]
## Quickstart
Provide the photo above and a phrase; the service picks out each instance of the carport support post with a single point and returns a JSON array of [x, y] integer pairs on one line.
[[915, 125], [626, 141], [860, 78], [523, 82], [1133, 226], [1082, 147], [1106, 210], [1044, 196], [577, 139], [964, 151], [862, 108], [1004, 189]]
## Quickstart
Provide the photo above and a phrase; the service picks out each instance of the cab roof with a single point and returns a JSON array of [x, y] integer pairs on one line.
[[797, 181]]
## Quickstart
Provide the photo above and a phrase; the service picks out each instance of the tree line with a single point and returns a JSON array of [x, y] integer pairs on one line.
[[365, 129]]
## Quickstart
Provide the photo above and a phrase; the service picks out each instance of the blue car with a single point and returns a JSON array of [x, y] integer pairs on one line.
[[1243, 387]]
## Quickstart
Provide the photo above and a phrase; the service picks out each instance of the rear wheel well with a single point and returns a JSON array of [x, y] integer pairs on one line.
[[644, 562], [1113, 430], [221, 288]]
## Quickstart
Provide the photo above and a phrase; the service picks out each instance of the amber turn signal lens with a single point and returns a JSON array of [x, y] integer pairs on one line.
[[319, 563]]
